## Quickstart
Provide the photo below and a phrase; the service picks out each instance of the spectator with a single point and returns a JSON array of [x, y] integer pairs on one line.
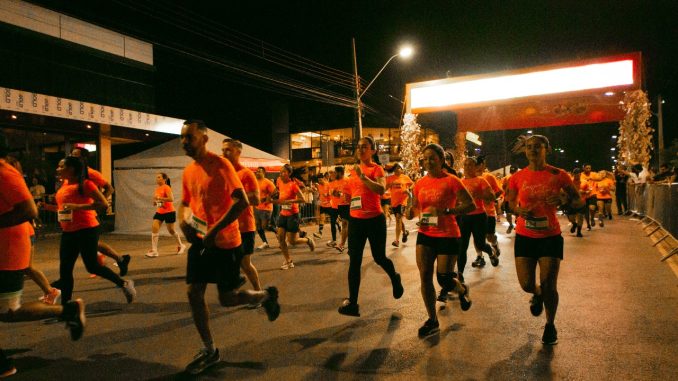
[[37, 189], [665, 174]]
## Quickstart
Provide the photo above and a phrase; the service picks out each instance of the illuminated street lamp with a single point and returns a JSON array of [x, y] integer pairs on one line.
[[405, 52]]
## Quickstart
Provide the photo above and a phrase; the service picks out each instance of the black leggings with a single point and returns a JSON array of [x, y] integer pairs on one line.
[[475, 224], [359, 231], [81, 242], [621, 200], [334, 213]]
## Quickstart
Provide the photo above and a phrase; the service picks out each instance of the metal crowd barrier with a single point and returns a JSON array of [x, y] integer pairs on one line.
[[658, 201]]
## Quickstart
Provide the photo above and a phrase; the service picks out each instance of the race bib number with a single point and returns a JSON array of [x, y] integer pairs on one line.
[[428, 220], [537, 223], [158, 204], [65, 216], [286, 206], [356, 203], [198, 224]]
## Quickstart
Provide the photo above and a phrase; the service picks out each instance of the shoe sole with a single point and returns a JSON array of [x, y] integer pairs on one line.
[[429, 334], [465, 296]]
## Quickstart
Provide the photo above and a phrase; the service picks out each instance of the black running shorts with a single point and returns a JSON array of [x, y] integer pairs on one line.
[[440, 245], [289, 223], [539, 247], [168, 218], [213, 265]]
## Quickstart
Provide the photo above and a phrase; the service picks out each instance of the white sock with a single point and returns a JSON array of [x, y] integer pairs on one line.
[[176, 236], [154, 241]]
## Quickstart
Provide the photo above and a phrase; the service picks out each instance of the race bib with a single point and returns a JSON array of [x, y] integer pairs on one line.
[[158, 204], [286, 206], [537, 223], [65, 216], [356, 203], [428, 220], [198, 224]]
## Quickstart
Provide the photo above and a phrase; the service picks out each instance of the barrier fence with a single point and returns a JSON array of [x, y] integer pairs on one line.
[[657, 201]]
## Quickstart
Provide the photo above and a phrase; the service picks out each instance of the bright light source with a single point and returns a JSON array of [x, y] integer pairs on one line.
[[87, 146], [406, 52], [147, 135], [89, 126], [576, 161], [13, 116], [609, 93], [614, 136], [615, 161], [310, 134], [613, 149], [611, 157], [529, 131], [562, 151], [663, 101], [594, 76]]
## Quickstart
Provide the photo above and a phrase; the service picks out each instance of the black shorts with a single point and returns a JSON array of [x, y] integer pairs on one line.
[[168, 218], [213, 265], [397, 209], [591, 201], [440, 245], [385, 201], [289, 223], [569, 211], [325, 210], [606, 201], [539, 247], [491, 225], [11, 281], [247, 246], [345, 212]]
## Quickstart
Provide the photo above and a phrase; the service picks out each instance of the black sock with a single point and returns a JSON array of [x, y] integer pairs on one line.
[[262, 235]]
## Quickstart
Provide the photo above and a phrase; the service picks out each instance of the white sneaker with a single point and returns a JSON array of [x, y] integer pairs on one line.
[[152, 254], [317, 235], [263, 246], [331, 243], [129, 291], [180, 249]]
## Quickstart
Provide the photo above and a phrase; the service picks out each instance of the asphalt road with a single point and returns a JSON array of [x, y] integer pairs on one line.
[[617, 320]]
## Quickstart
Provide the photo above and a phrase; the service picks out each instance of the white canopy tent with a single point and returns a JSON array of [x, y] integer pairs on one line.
[[134, 178]]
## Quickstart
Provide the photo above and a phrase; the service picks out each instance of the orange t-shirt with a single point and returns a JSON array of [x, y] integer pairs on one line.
[[15, 241], [288, 191], [164, 191], [490, 208], [249, 183], [604, 188], [324, 195], [398, 185], [81, 219], [476, 187], [441, 193], [96, 177], [207, 188], [266, 188], [533, 187], [370, 202], [344, 189], [591, 182]]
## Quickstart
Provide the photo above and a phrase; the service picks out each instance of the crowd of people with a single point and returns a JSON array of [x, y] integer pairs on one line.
[[225, 206]]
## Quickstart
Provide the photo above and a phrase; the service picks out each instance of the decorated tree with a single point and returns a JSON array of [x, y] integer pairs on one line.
[[459, 153], [635, 133], [411, 148]]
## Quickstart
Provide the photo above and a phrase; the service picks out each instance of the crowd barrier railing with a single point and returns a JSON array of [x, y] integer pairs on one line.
[[656, 204]]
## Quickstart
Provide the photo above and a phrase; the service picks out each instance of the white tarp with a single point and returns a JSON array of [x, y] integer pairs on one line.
[[134, 179]]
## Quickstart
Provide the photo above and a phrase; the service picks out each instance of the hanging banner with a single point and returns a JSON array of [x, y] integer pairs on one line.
[[40, 104]]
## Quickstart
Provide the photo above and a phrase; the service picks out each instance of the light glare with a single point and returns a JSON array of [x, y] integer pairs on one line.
[[406, 52]]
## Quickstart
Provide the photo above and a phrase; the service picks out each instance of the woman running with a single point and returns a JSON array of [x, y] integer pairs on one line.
[[162, 199], [606, 187], [289, 198], [77, 201], [399, 185], [324, 205], [576, 216], [340, 199], [534, 195], [475, 222], [437, 198], [367, 223]]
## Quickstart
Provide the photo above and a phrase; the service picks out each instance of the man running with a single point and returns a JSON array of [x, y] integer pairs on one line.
[[340, 199], [212, 200], [262, 212]]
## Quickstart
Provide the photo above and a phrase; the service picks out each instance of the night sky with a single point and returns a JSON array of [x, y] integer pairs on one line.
[[451, 38]]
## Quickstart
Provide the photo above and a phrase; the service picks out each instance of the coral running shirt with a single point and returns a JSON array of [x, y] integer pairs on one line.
[[96, 177], [324, 195], [398, 186], [344, 189], [15, 241], [490, 207], [476, 187], [288, 191], [207, 188], [441, 193], [164, 191], [249, 183], [532, 189], [365, 203], [604, 188], [266, 189], [80, 219]]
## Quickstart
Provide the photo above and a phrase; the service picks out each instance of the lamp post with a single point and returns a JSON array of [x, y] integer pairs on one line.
[[404, 52]]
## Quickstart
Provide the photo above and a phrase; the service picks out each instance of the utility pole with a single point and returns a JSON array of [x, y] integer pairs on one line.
[[660, 128], [359, 109]]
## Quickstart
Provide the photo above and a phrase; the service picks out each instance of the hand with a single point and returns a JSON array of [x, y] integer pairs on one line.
[[523, 212], [357, 170], [189, 232], [433, 211], [553, 200]]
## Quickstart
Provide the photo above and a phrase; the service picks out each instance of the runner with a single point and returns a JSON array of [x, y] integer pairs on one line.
[[367, 223], [589, 181], [288, 222], [212, 200], [399, 185], [262, 212], [437, 198], [17, 209], [491, 207], [576, 215], [505, 205], [163, 199], [107, 189], [475, 222], [324, 204], [604, 198], [77, 200], [534, 194], [232, 149], [340, 199], [386, 205]]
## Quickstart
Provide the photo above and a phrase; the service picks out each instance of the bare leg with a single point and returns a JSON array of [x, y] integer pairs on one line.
[[283, 244], [32, 311], [200, 312], [250, 272], [425, 262], [525, 269], [548, 277], [108, 251]]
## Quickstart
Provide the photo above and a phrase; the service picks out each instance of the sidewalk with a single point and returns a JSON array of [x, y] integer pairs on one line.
[[617, 320]]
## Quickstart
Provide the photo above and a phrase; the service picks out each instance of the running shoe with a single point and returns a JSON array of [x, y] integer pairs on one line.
[[398, 289], [573, 228], [318, 235], [405, 234], [442, 296], [465, 298], [52, 297], [152, 254], [536, 305], [203, 360], [494, 260], [124, 264], [601, 222], [302, 234], [74, 316], [271, 304], [395, 244], [479, 262], [340, 248], [349, 309], [497, 250], [181, 249], [311, 243], [331, 243], [579, 234], [287, 265], [263, 246], [509, 230], [430, 327], [129, 291], [550, 336]]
